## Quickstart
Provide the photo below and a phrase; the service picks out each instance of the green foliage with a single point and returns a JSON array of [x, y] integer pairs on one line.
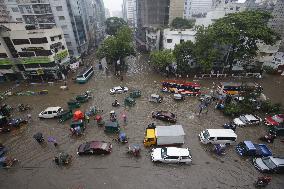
[[113, 24], [184, 53], [239, 32], [269, 70], [118, 46], [161, 59], [181, 23], [269, 107]]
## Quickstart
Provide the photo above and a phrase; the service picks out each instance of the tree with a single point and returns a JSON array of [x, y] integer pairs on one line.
[[238, 33], [181, 23], [113, 24], [118, 46], [184, 53], [161, 59]]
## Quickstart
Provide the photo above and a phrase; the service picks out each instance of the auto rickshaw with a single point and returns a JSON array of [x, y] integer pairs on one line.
[[62, 159], [155, 98], [65, 115], [135, 94], [93, 111], [122, 137], [112, 127], [82, 98], [134, 149], [73, 104], [128, 101], [178, 97]]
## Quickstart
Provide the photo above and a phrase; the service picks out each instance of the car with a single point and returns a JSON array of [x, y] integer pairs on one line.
[[247, 119], [275, 120], [17, 122], [50, 112], [94, 148], [155, 98], [171, 155], [270, 164], [118, 90], [165, 116]]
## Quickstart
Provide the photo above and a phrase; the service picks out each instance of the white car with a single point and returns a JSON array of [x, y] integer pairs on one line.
[[171, 155], [247, 119], [50, 112], [118, 90]]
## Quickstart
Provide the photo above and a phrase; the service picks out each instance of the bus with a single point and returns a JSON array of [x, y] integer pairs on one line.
[[236, 88], [85, 75], [181, 87]]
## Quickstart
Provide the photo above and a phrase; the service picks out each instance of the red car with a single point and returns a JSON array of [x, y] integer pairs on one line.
[[275, 120], [94, 147]]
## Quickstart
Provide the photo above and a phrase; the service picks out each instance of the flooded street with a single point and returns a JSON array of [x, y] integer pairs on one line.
[[120, 170]]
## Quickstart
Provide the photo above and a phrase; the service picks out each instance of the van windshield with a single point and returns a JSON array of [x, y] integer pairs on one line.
[[269, 163], [206, 134], [163, 152]]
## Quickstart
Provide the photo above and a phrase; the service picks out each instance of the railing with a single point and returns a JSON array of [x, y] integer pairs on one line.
[[244, 75]]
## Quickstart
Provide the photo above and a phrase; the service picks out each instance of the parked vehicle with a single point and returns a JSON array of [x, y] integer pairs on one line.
[[135, 94], [155, 98], [83, 97], [164, 116], [247, 148], [6, 125], [65, 115], [181, 87], [94, 148], [275, 120], [230, 125], [178, 97], [73, 104], [235, 88], [247, 119], [269, 164], [85, 75], [218, 136], [118, 90], [128, 101], [50, 112], [164, 135], [277, 130], [112, 127], [171, 155]]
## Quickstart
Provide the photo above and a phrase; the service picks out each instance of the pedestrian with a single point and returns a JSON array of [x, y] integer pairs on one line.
[[53, 140], [200, 108], [124, 117], [29, 116], [121, 78], [87, 118]]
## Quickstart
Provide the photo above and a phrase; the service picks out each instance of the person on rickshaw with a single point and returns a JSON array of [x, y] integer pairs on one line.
[[112, 116], [115, 103]]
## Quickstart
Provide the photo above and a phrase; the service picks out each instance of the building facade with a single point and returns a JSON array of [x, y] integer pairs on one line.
[[176, 9], [76, 18], [277, 23], [197, 8], [130, 12], [4, 16], [32, 53], [173, 37]]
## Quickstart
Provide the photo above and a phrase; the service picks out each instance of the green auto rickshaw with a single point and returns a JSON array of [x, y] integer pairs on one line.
[[65, 115], [73, 104], [128, 101], [135, 94], [112, 127]]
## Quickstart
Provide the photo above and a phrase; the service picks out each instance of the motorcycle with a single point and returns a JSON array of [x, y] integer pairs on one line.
[[262, 182], [115, 104], [268, 138], [22, 107], [38, 137]]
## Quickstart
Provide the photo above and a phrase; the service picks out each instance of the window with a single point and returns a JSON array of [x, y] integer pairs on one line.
[[64, 27], [19, 19], [43, 53], [60, 37], [59, 8], [71, 52], [181, 41], [66, 35], [61, 17], [3, 55], [69, 43], [52, 38], [169, 40], [38, 40], [26, 54], [15, 9], [20, 41]]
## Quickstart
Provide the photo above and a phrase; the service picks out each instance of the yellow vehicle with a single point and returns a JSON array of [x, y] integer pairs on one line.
[[164, 135], [150, 138], [235, 88]]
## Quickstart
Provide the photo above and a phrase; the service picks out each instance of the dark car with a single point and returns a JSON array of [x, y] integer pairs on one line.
[[165, 116], [269, 164], [275, 120], [94, 147], [17, 122]]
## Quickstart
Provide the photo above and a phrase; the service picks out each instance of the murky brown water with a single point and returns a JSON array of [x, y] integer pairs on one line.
[[118, 170]]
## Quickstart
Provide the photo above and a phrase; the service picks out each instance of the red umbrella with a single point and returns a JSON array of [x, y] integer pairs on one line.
[[78, 115]]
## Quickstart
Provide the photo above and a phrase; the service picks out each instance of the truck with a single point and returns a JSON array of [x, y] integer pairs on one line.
[[164, 135], [248, 148]]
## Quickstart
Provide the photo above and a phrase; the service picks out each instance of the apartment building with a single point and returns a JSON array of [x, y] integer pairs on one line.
[[4, 16], [176, 9], [32, 53]]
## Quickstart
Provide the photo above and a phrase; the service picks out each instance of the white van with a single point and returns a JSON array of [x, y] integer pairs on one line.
[[218, 136], [50, 112]]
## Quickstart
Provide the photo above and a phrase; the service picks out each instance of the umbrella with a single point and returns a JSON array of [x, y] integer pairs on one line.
[[78, 115]]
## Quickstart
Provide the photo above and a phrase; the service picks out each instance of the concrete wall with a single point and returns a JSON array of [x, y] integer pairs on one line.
[[174, 37]]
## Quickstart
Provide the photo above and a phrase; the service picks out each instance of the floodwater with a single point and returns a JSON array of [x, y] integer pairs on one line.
[[119, 170]]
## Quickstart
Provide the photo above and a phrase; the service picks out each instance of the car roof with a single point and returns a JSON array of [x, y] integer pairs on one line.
[[221, 132], [173, 130], [52, 108], [155, 96], [150, 133], [250, 117], [174, 151], [117, 87], [98, 144], [277, 160], [249, 145]]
